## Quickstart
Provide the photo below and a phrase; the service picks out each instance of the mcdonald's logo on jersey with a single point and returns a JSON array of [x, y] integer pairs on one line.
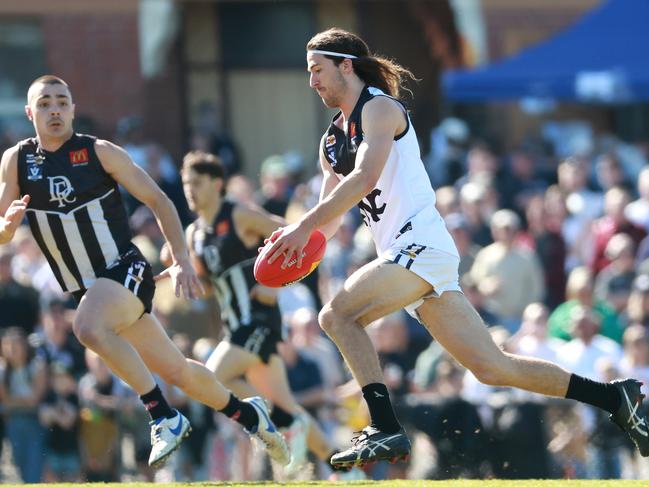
[[79, 157]]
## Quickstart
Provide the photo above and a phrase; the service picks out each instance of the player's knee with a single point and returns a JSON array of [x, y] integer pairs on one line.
[[89, 333], [327, 319]]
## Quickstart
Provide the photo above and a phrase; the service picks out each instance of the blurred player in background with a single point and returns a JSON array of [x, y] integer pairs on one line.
[[223, 242], [67, 186]]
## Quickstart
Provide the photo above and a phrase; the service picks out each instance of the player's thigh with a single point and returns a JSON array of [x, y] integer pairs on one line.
[[109, 304], [375, 290], [271, 380], [456, 325], [229, 361], [158, 351]]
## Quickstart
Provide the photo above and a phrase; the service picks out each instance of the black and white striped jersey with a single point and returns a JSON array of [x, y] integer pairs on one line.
[[75, 213], [229, 264]]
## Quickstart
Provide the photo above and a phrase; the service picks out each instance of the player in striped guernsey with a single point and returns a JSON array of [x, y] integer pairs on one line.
[[223, 242], [370, 158], [66, 184]]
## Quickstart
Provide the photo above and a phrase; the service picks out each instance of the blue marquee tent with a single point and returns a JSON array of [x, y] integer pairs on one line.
[[602, 58]]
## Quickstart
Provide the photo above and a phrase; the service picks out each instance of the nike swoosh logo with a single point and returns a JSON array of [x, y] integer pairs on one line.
[[176, 431], [268, 421]]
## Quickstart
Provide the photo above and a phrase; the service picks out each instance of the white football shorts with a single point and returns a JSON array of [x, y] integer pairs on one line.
[[435, 266]]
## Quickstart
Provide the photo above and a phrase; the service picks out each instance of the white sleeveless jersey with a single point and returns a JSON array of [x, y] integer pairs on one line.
[[400, 210]]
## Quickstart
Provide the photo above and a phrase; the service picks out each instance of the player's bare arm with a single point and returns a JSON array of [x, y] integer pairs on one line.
[[137, 182], [253, 223], [12, 208], [382, 120]]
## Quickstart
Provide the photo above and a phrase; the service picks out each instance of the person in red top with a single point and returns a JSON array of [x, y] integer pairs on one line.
[[614, 221]]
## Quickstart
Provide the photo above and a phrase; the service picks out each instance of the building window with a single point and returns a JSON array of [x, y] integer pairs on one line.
[[22, 58], [260, 35]]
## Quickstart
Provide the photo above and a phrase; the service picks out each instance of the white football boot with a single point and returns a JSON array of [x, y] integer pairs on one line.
[[268, 433], [166, 436]]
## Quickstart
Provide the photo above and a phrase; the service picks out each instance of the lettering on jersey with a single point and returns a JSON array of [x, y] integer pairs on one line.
[[371, 208], [34, 158], [79, 157], [330, 148], [61, 190]]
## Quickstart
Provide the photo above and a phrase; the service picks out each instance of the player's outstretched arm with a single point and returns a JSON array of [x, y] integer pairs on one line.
[[12, 207], [137, 182]]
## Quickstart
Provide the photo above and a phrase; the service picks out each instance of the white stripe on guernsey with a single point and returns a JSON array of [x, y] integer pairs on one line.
[[227, 313], [332, 53], [102, 232], [68, 279], [78, 249], [242, 293]]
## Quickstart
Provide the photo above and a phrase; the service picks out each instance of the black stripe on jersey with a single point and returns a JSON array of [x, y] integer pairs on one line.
[[38, 236], [90, 241], [61, 241]]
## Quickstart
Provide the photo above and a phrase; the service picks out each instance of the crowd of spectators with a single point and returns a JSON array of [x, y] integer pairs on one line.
[[554, 257]]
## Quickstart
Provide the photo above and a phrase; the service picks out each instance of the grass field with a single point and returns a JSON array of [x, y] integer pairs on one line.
[[390, 483]]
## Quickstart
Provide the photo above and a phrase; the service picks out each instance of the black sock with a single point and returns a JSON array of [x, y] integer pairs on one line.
[[157, 405], [378, 402], [604, 396], [241, 412], [281, 417]]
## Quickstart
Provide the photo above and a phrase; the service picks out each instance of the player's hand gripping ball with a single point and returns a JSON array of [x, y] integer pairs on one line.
[[272, 275]]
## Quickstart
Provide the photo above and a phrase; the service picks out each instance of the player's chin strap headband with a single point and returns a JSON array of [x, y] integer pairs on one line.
[[332, 53]]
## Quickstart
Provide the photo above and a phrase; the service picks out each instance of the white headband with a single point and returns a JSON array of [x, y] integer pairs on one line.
[[331, 53]]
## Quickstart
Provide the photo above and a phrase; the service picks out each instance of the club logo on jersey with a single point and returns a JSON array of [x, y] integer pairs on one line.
[[34, 172], [34, 166], [79, 157], [330, 140], [222, 228], [61, 190]]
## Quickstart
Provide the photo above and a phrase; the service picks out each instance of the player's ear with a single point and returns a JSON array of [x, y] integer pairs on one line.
[[347, 65], [28, 112]]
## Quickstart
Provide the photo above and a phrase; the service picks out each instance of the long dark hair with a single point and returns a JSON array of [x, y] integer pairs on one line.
[[374, 70]]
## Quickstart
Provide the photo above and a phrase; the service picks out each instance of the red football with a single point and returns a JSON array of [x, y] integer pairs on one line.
[[272, 275]]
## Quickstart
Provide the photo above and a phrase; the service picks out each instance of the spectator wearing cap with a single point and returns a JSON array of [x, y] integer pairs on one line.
[[509, 278], [275, 181], [459, 228]]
